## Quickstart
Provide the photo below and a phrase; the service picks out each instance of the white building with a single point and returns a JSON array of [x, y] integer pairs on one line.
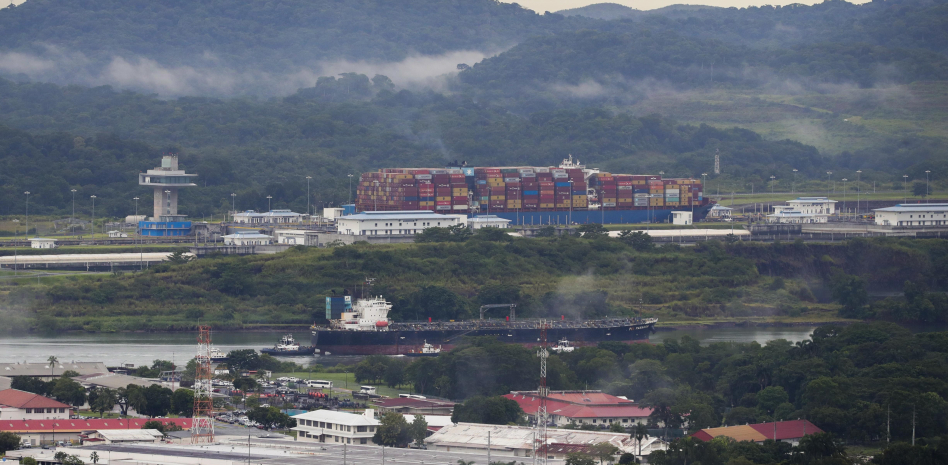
[[270, 217], [789, 216], [22, 405], [336, 427], [813, 206], [332, 213], [117, 234], [247, 238], [42, 243], [405, 223], [116, 436], [916, 214], [719, 211], [296, 237], [487, 221], [682, 218]]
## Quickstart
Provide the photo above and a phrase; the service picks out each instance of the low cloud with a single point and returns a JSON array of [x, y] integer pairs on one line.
[[208, 75]]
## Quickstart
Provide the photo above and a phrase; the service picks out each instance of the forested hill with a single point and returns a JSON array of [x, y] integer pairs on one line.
[[262, 35]]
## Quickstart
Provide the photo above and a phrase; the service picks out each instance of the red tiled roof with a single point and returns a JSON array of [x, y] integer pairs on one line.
[[761, 431], [76, 426], [588, 398], [22, 399], [555, 407]]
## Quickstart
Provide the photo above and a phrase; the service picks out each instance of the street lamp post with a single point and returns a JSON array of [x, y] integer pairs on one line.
[[93, 218], [844, 196], [927, 192], [793, 184], [269, 208], [858, 173], [72, 219], [307, 194], [904, 188], [27, 213], [141, 251], [828, 174], [350, 187], [16, 239], [233, 205]]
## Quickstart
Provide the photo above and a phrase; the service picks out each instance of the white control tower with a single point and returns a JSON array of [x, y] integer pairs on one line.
[[166, 179]]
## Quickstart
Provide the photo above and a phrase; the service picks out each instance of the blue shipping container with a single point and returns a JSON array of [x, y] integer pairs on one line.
[[531, 192], [579, 192], [562, 184]]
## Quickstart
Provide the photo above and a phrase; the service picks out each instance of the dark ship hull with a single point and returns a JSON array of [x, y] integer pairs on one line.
[[286, 353], [407, 338]]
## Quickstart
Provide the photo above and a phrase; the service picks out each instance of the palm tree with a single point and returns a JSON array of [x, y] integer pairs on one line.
[[465, 462], [640, 433], [52, 364]]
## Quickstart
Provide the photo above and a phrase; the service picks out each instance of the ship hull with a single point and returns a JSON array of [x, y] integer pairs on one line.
[[289, 353], [655, 215], [404, 342]]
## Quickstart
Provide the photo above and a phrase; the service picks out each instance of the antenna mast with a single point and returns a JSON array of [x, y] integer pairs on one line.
[[202, 426], [544, 391]]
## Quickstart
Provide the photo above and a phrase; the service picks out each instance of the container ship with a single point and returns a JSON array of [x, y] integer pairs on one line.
[[366, 330], [567, 194]]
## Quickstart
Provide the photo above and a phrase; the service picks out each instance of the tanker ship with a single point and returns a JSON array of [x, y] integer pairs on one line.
[[568, 194], [367, 330]]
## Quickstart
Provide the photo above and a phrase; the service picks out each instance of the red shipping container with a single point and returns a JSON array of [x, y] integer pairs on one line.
[[442, 202], [459, 200]]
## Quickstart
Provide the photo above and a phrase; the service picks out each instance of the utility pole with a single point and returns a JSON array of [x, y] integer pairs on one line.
[[793, 184], [233, 205], [350, 188], [928, 193], [72, 218], [904, 188], [858, 173], [269, 208], [27, 213], [844, 195], [141, 251], [828, 174], [307, 194], [913, 424], [16, 239], [888, 421]]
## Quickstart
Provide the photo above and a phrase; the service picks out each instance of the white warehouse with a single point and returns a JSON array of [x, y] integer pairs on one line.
[[916, 214], [408, 222]]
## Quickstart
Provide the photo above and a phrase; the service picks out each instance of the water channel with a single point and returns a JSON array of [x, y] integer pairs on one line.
[[142, 348]]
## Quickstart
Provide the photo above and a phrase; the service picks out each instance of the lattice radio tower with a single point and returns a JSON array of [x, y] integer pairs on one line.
[[202, 425], [539, 446]]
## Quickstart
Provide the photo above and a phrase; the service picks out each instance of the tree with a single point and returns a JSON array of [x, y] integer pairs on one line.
[[72, 460], [179, 257], [497, 410], [604, 451], [769, 398], [577, 458], [245, 384], [271, 417], [393, 430], [243, 359], [663, 402], [28, 461], [70, 392], [154, 424], [593, 231], [52, 363], [850, 291], [546, 231], [627, 459], [121, 398], [919, 189], [640, 433], [8, 441], [638, 240], [94, 457], [182, 402], [104, 400], [60, 456], [419, 429], [616, 427]]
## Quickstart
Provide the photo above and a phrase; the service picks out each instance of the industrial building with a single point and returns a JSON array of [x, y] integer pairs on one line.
[[488, 221], [166, 180], [409, 222], [247, 238], [296, 237], [682, 218], [22, 405], [409, 406], [270, 217], [803, 210], [36, 432], [329, 426], [720, 212], [42, 243], [583, 407], [518, 440], [786, 431], [117, 436], [916, 214]]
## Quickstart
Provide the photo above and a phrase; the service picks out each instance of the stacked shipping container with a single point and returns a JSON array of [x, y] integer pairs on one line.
[[527, 189]]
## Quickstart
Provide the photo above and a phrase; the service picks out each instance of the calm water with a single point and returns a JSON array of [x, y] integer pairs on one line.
[[143, 348]]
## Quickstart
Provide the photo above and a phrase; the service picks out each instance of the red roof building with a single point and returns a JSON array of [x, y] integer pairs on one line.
[[22, 405], [43, 431], [583, 407], [788, 431]]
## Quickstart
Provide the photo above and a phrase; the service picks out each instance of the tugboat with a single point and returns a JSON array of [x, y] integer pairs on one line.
[[289, 346], [217, 356], [427, 350], [563, 345]]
